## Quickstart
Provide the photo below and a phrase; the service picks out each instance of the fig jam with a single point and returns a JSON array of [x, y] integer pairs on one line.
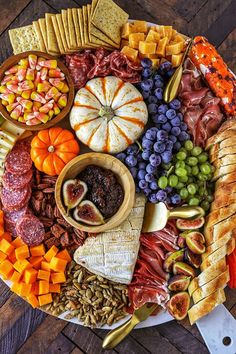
[[103, 189]]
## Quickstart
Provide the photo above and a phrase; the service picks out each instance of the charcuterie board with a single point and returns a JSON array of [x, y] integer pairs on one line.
[[110, 115]]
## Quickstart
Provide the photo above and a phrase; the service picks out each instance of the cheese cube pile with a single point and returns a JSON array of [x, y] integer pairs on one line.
[[158, 43]]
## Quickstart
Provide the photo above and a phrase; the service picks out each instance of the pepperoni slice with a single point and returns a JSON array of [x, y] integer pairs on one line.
[[18, 162], [13, 181], [15, 199], [31, 230]]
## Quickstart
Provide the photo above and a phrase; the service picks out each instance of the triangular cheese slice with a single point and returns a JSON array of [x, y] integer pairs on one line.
[[113, 254]]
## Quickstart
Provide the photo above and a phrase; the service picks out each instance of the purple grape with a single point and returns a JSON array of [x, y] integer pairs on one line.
[[132, 149], [150, 134], [173, 138], [159, 84], [146, 63], [146, 191], [166, 156], [154, 186], [169, 145], [161, 119], [152, 99], [159, 147], [175, 122], [155, 118], [147, 72], [170, 113], [175, 104], [142, 184], [163, 108], [131, 160], [139, 157], [150, 168], [153, 198], [167, 127], [161, 196], [147, 144], [175, 199], [121, 156], [175, 131], [158, 77], [155, 160], [180, 115], [183, 127], [183, 136], [152, 108], [137, 189], [170, 72], [162, 135], [141, 174], [168, 189], [142, 165], [177, 146], [146, 154], [165, 67], [158, 93], [145, 94], [149, 177], [147, 85], [133, 171]]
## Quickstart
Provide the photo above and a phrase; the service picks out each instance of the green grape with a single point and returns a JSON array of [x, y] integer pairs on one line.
[[181, 155], [181, 172], [200, 183], [183, 179], [162, 182], [188, 169], [188, 145], [166, 166], [182, 149], [195, 170], [201, 191], [190, 180], [210, 198], [192, 189], [202, 177], [173, 180], [194, 201], [180, 185], [192, 161], [205, 205], [196, 151], [205, 169], [203, 157], [183, 193], [180, 164]]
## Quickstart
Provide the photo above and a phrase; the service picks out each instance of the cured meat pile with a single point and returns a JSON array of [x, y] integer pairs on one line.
[[200, 107], [100, 62], [15, 196], [149, 283]]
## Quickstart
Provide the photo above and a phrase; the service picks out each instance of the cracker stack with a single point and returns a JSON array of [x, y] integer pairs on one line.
[[92, 26]]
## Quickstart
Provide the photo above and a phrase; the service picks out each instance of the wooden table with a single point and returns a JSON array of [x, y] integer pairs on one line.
[[24, 330]]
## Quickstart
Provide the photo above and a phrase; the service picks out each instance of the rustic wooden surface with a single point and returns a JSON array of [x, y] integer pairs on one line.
[[24, 330]]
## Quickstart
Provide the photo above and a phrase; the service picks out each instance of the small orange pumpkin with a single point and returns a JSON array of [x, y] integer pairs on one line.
[[52, 149]]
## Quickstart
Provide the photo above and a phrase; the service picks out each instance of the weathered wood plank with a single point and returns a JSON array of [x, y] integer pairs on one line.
[[228, 50], [77, 351], [61, 4], [44, 335], [5, 293], [10, 10], [61, 344], [186, 9]]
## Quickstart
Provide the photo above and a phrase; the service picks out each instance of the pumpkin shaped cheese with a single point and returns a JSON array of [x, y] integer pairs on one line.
[[52, 149], [108, 114]]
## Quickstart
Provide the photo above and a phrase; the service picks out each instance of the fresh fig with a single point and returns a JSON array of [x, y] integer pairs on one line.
[[183, 268], [193, 259], [88, 213], [73, 191], [195, 242], [172, 258], [178, 305], [181, 242], [179, 282], [186, 224]]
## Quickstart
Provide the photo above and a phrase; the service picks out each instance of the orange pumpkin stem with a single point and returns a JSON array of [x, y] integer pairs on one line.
[[51, 148]]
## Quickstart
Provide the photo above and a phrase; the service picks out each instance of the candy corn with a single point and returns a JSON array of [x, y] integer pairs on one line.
[[57, 83], [50, 64], [56, 73], [30, 74], [24, 63], [28, 116], [4, 89], [32, 61], [51, 113], [51, 93], [9, 97], [15, 114], [25, 103], [43, 73], [35, 96], [21, 73], [37, 78], [26, 94], [26, 85], [11, 106], [41, 116], [65, 88], [14, 88], [12, 70], [33, 121], [43, 86], [47, 107], [62, 102], [56, 109]]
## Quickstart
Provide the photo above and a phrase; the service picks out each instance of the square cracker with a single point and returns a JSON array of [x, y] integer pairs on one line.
[[76, 25], [66, 27], [51, 36], [93, 6], [71, 28], [109, 18], [43, 28], [62, 32], [40, 36], [81, 27], [23, 39], [85, 25], [58, 35]]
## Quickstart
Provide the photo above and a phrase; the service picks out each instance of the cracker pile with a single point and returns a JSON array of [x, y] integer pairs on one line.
[[95, 25]]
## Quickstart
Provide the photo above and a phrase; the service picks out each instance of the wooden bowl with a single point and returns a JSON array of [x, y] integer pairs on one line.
[[75, 166], [13, 60]]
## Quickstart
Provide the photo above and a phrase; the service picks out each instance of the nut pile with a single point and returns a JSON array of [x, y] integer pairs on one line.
[[43, 204], [92, 299]]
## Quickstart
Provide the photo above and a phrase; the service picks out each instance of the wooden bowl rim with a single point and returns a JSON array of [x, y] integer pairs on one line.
[[125, 208], [12, 60]]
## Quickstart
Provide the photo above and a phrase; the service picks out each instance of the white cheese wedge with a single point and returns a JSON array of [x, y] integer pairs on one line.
[[113, 254], [12, 128]]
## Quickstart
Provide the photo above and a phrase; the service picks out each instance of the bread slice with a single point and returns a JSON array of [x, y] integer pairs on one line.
[[217, 231], [223, 200], [226, 179], [214, 217], [222, 152], [228, 124], [225, 161], [219, 243], [226, 189], [220, 136], [207, 275], [211, 286], [218, 254], [206, 305], [223, 170]]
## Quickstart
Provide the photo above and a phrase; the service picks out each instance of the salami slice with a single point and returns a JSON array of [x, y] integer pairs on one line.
[[22, 145], [15, 199], [14, 216], [18, 162], [13, 181], [31, 230], [10, 227]]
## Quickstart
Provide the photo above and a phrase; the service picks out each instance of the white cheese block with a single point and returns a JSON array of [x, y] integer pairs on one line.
[[113, 254]]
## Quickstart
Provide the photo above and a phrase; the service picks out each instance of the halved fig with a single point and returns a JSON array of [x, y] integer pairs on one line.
[[73, 191], [181, 242], [88, 213], [183, 268], [179, 282], [178, 305], [195, 242], [172, 258], [193, 259], [186, 224]]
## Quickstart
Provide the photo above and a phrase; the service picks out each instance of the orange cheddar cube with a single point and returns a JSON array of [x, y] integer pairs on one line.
[[3, 256], [37, 250], [131, 53], [21, 265], [15, 288], [64, 254], [161, 47], [1, 217], [24, 289], [32, 300], [45, 266], [152, 36], [44, 275], [133, 45], [17, 242], [57, 264], [12, 257], [140, 26], [36, 261], [126, 30], [7, 236], [147, 47], [5, 246], [35, 288], [15, 278], [22, 252], [45, 299], [51, 253], [55, 288], [136, 37], [43, 287], [30, 275], [58, 278], [176, 60], [174, 48], [155, 62], [124, 42], [6, 268]]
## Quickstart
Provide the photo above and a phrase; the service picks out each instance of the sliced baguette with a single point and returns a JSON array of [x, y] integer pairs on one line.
[[211, 286], [207, 275], [229, 159], [223, 170], [214, 217], [217, 138], [228, 124], [218, 254], [214, 246], [229, 178], [222, 152], [206, 305], [223, 200], [217, 231]]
